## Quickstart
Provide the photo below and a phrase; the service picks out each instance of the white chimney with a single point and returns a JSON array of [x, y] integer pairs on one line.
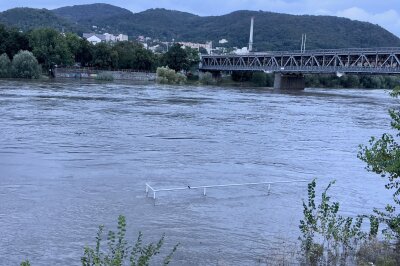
[[251, 35]]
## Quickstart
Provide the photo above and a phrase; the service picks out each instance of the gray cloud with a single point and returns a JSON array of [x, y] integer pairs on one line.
[[384, 13]]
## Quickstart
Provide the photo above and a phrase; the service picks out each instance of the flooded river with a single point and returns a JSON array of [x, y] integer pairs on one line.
[[74, 156]]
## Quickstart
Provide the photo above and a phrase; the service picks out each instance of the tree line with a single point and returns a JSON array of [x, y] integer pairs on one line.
[[52, 48]]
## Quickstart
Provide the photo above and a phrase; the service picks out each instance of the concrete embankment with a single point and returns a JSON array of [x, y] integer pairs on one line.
[[87, 73]]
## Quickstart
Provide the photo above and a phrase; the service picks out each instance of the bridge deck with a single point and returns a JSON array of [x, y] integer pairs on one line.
[[365, 60]]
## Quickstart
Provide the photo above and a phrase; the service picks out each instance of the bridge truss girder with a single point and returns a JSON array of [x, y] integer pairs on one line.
[[368, 61]]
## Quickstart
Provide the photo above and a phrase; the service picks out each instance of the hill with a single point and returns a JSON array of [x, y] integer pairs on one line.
[[29, 18], [273, 31], [156, 23], [94, 13]]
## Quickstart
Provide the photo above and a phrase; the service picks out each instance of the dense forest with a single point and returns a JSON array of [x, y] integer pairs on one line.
[[272, 31]]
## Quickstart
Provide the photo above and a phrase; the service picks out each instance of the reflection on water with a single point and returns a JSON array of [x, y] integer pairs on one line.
[[73, 156]]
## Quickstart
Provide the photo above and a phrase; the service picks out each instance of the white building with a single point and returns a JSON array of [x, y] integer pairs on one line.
[[121, 38], [94, 38], [110, 37], [207, 46], [106, 37], [244, 50]]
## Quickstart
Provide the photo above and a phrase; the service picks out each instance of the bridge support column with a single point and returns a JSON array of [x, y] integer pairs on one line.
[[289, 82]]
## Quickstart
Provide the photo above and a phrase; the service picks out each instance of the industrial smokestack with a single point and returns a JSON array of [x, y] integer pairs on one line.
[[251, 35]]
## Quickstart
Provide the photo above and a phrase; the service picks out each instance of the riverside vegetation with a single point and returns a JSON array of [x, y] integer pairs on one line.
[[23, 65], [119, 252], [329, 238], [52, 48]]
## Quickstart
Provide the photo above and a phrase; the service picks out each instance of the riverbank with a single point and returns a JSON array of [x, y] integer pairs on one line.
[[92, 74]]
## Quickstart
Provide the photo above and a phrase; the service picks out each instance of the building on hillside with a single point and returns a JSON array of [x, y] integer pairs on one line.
[[207, 45], [106, 37], [242, 51], [121, 38], [110, 37], [94, 38]]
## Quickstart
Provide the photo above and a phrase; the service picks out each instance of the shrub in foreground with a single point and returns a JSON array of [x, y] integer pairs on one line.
[[382, 156], [5, 66], [207, 79], [104, 76], [166, 75], [25, 65], [328, 237], [119, 252]]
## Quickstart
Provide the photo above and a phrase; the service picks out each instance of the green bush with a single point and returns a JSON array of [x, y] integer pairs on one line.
[[382, 156], [328, 237], [192, 77], [180, 78], [5, 66], [166, 75], [119, 253], [25, 65], [105, 76], [207, 79]]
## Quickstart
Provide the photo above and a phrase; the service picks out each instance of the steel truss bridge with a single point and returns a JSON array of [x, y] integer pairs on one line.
[[357, 61]]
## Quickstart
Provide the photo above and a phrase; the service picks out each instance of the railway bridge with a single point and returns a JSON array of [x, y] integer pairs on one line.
[[291, 66]]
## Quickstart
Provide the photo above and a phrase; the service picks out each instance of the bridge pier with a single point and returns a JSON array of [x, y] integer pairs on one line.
[[289, 81]]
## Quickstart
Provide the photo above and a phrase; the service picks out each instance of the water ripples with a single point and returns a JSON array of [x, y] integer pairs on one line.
[[76, 155]]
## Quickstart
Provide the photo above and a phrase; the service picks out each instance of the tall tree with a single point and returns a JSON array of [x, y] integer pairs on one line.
[[5, 66], [81, 49], [177, 58], [50, 48], [142, 59], [25, 65], [12, 41], [104, 56]]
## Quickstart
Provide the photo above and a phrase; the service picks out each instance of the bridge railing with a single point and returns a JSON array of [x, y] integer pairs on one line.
[[317, 51]]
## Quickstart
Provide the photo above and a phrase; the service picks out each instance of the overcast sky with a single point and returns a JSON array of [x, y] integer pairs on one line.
[[386, 13]]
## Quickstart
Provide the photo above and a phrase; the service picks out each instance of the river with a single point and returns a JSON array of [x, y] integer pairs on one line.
[[76, 155]]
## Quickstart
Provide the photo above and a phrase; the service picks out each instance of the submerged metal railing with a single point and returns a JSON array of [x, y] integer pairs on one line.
[[204, 188]]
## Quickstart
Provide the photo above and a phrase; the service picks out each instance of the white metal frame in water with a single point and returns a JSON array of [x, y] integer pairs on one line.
[[148, 187]]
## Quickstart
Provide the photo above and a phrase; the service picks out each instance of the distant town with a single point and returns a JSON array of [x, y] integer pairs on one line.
[[157, 46]]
